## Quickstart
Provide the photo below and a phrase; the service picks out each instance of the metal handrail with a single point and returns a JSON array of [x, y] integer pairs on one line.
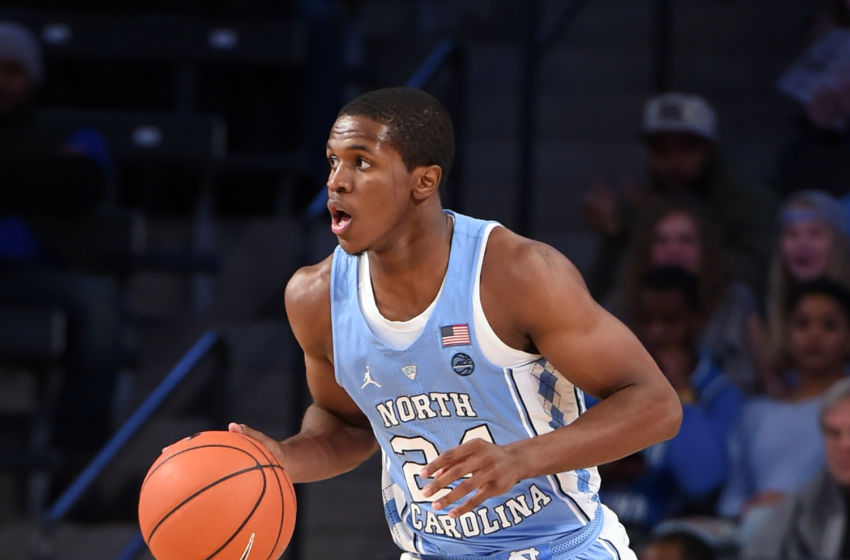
[[207, 342], [435, 60]]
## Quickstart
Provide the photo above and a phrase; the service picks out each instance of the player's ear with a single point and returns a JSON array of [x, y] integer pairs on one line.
[[426, 179]]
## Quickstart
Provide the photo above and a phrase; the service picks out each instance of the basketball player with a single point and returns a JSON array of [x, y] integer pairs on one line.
[[462, 350]]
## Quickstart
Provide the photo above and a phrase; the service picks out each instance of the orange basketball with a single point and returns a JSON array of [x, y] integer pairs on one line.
[[217, 495]]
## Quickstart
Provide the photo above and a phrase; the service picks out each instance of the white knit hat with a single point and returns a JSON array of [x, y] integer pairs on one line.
[[17, 43]]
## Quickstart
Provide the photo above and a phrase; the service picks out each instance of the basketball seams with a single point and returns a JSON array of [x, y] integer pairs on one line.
[[282, 515], [259, 513], [200, 491], [181, 451], [247, 517], [265, 452]]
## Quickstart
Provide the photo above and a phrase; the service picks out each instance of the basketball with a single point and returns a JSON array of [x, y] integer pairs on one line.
[[217, 494]]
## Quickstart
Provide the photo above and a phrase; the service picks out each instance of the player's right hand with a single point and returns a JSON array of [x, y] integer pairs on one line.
[[271, 444]]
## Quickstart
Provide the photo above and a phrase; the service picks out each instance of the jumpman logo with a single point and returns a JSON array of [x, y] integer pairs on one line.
[[367, 379]]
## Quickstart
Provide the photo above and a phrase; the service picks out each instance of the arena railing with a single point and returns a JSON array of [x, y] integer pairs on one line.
[[210, 343]]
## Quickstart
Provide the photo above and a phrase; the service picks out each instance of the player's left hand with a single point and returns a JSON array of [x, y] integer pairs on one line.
[[492, 469]]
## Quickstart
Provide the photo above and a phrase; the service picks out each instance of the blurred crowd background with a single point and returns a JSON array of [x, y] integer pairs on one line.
[[162, 175]]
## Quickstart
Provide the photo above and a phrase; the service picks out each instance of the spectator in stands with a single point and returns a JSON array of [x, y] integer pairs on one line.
[[680, 134], [674, 232], [47, 177], [813, 242], [814, 522], [685, 473], [677, 545], [775, 447]]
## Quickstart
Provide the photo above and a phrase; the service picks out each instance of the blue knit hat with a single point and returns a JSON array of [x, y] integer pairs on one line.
[[813, 205]]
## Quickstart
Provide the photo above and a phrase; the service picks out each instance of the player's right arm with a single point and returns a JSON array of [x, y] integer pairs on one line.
[[335, 435]]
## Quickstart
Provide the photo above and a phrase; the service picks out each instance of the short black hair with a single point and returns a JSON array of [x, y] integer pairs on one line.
[[420, 129], [820, 286], [673, 279]]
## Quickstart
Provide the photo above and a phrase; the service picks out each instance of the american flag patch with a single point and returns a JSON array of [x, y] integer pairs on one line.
[[455, 335]]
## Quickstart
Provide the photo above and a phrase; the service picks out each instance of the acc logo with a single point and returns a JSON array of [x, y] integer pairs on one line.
[[462, 364], [525, 554], [409, 371]]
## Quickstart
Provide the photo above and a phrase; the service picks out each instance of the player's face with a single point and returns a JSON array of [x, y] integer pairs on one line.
[[805, 246], [836, 437], [678, 160], [818, 335], [676, 242], [369, 187], [664, 320]]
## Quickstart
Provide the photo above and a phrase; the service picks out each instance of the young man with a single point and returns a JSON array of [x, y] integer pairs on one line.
[[424, 335]]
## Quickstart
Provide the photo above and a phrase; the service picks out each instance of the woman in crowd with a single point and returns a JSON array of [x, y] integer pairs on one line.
[[812, 243], [776, 447], [676, 233]]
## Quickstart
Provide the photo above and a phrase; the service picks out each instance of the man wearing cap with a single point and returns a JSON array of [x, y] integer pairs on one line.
[[680, 133]]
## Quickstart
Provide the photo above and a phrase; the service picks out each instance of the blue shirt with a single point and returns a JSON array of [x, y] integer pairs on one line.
[[775, 446], [690, 466]]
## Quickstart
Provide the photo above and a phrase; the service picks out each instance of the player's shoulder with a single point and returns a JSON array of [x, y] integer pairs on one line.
[[309, 288], [525, 259]]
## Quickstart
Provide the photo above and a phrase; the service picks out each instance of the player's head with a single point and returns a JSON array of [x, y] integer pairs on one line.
[[21, 70], [677, 545], [818, 328], [388, 152], [668, 309], [835, 426], [418, 126]]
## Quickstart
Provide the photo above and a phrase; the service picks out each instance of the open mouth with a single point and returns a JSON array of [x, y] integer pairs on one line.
[[339, 220]]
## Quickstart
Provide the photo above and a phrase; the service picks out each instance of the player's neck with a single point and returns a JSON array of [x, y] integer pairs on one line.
[[407, 276]]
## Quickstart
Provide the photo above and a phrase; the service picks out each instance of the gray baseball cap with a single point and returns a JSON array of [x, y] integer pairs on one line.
[[679, 112]]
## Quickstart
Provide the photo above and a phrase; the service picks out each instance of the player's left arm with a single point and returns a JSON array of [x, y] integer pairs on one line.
[[544, 306]]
